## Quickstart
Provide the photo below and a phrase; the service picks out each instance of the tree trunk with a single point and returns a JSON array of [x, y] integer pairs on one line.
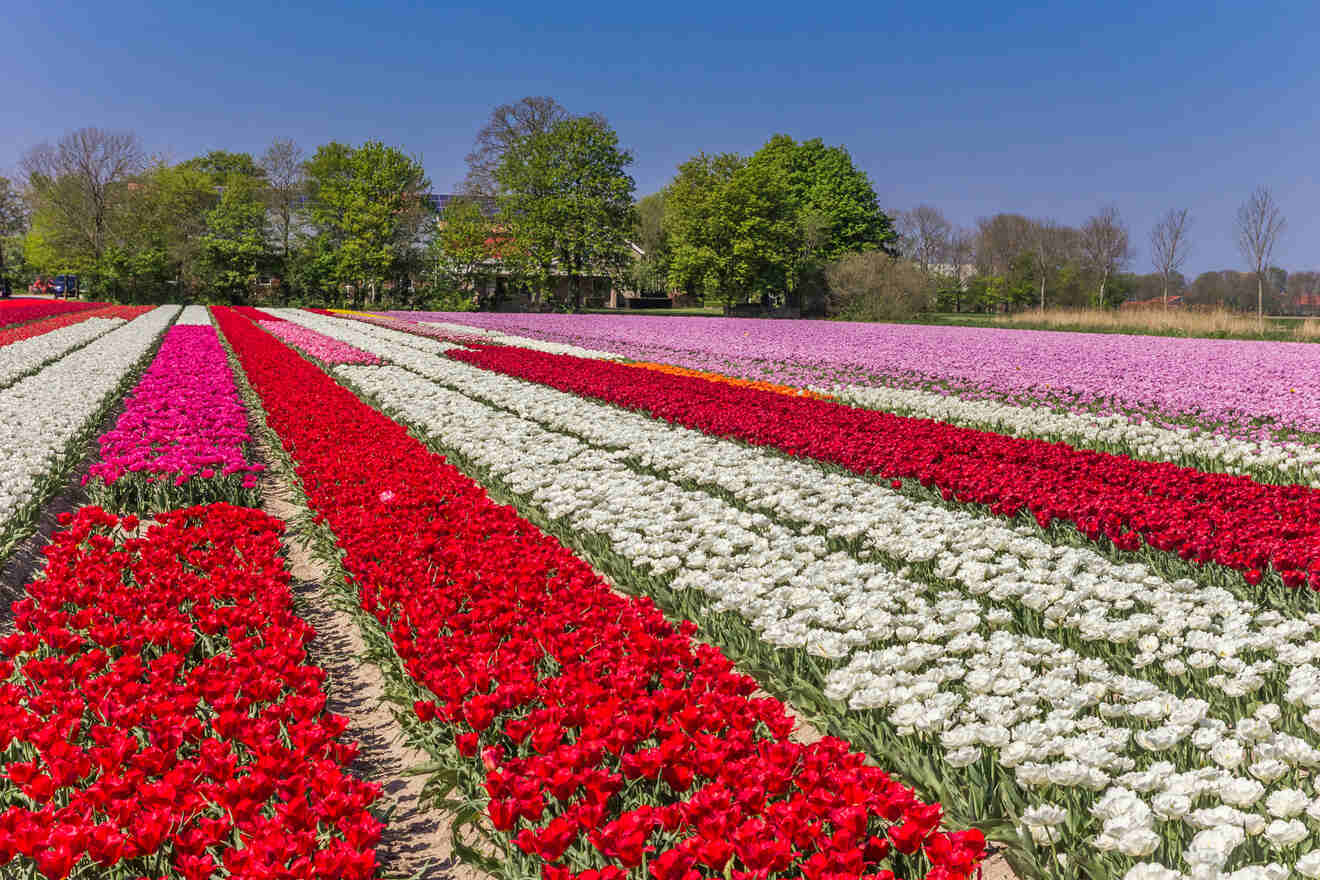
[[1260, 299], [1042, 292], [1166, 294], [1104, 279]]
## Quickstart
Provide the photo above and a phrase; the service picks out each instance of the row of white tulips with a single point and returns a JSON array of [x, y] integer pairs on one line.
[[955, 665], [1192, 446], [194, 316], [43, 413], [19, 358]]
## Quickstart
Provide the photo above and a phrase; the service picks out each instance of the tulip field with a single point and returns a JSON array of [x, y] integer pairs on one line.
[[660, 598]]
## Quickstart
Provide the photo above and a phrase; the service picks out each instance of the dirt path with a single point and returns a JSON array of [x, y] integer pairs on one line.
[[416, 843]]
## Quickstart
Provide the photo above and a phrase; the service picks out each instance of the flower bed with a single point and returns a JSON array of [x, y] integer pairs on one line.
[[609, 740], [17, 311], [1228, 382], [1139, 681], [159, 718], [45, 418], [180, 440], [1187, 445], [1226, 519], [318, 345], [23, 357], [37, 328]]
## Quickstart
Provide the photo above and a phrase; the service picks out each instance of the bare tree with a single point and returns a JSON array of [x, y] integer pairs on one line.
[[1168, 245], [1000, 240], [13, 218], [75, 180], [1259, 224], [509, 123], [925, 236], [1049, 249], [1105, 245], [286, 184]]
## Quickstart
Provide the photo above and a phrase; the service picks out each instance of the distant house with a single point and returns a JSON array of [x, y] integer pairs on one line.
[[499, 291], [1304, 304]]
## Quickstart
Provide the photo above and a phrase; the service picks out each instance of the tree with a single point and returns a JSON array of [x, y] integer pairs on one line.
[[1000, 240], [462, 245], [733, 227], [650, 271], [286, 184], [1049, 250], [74, 185], [234, 246], [1105, 246], [221, 165], [567, 201], [873, 286], [366, 206], [1259, 224], [924, 236], [509, 124], [13, 221], [1168, 246], [833, 202]]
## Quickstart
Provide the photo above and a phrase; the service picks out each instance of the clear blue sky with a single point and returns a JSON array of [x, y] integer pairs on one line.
[[1047, 109]]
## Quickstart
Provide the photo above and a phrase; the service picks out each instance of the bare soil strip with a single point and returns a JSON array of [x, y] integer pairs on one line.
[[416, 843]]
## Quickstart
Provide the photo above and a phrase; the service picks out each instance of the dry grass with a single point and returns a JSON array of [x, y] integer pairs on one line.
[[1217, 323]]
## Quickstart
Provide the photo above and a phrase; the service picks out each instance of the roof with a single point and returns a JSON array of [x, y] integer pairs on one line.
[[438, 202]]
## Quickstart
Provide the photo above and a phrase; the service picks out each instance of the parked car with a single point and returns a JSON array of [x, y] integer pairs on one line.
[[66, 287]]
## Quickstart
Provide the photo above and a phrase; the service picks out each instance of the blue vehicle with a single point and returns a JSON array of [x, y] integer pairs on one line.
[[65, 287]]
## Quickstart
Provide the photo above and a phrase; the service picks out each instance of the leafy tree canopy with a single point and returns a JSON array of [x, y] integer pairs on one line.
[[566, 202]]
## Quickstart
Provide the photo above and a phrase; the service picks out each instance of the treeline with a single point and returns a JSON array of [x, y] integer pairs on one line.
[[1010, 262], [548, 215], [223, 226], [548, 211]]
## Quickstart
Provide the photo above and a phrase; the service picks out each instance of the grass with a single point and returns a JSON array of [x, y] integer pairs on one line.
[[1211, 324]]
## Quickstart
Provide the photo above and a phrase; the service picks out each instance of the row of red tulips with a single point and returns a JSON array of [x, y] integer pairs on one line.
[[611, 743], [18, 311], [158, 717], [1206, 517]]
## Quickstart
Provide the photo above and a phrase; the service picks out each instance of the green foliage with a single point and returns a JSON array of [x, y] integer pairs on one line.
[[732, 227], [873, 286], [461, 250], [767, 225], [566, 204], [650, 271], [220, 165], [834, 202], [234, 246], [366, 208]]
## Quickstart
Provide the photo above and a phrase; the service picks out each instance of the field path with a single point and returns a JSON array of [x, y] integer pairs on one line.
[[416, 842]]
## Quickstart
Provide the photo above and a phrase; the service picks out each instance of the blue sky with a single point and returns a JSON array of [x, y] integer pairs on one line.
[[1046, 109]]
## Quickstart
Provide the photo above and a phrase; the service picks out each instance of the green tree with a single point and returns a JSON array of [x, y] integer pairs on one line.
[[234, 249], [566, 202], [834, 203], [462, 247], [76, 187], [221, 165], [733, 228], [366, 206], [650, 271]]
